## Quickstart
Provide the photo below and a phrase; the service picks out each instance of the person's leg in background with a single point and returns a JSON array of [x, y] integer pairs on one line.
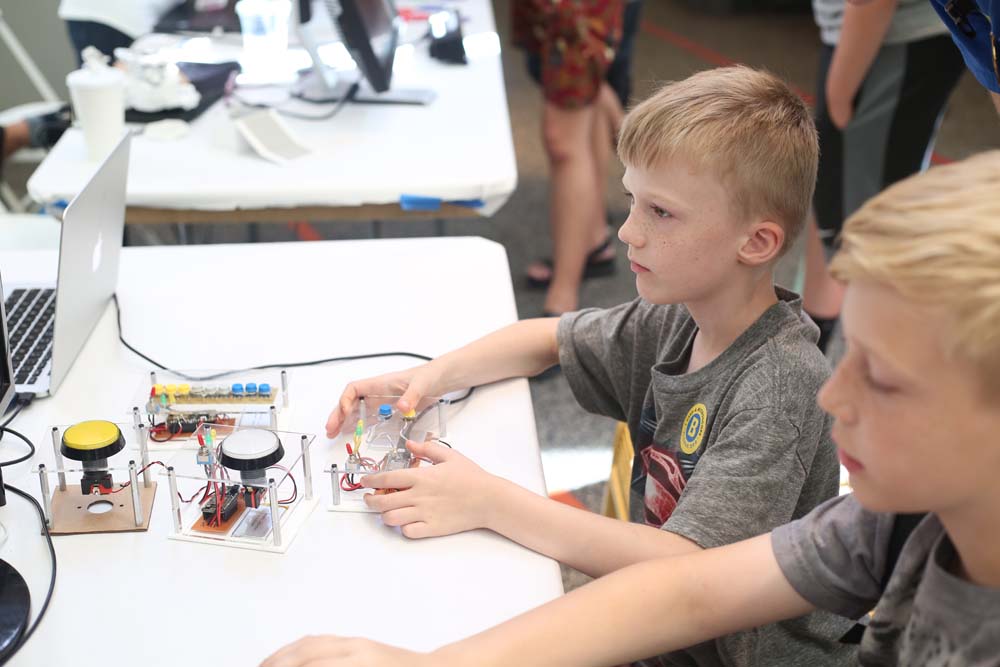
[[576, 206], [571, 71], [89, 33]]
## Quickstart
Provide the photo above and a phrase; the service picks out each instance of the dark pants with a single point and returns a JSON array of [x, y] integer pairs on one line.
[[896, 115], [88, 33]]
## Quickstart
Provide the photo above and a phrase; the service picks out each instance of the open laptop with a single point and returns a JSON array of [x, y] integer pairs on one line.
[[48, 324]]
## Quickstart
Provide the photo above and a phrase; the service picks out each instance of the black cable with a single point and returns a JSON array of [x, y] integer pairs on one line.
[[294, 364], [52, 555], [21, 401], [348, 97], [340, 103], [22, 459]]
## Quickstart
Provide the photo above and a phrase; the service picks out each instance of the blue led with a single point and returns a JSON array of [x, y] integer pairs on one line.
[[237, 389]]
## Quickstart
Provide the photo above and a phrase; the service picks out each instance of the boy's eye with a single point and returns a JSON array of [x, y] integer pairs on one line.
[[630, 199], [659, 212]]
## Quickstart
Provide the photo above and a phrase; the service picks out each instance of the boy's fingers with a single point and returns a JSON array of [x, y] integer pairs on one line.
[[394, 479], [388, 501], [401, 516], [417, 530], [305, 650], [339, 414], [431, 451]]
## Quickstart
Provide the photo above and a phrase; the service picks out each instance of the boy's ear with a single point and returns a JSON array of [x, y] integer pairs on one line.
[[762, 244]]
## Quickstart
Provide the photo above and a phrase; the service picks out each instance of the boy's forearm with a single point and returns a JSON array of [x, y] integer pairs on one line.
[[588, 542], [523, 349], [620, 617], [861, 36]]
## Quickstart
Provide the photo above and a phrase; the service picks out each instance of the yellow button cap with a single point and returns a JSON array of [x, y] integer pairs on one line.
[[92, 434]]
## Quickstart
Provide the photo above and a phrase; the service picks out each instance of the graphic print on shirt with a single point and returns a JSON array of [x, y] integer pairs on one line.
[[661, 471]]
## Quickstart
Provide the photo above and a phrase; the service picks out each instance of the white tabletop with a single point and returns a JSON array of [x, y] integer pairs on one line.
[[164, 602], [457, 148]]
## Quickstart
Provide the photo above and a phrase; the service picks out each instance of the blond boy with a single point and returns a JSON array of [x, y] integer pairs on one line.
[[916, 407], [714, 369]]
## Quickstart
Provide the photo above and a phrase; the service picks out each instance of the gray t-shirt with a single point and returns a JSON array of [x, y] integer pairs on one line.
[[836, 557], [912, 21], [722, 454]]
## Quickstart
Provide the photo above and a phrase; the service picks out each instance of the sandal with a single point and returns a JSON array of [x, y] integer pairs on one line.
[[593, 268]]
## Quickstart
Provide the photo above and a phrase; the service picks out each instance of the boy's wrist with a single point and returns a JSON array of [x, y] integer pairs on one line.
[[498, 503]]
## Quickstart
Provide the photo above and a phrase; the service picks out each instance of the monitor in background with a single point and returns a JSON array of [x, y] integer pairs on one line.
[[6, 368], [370, 31]]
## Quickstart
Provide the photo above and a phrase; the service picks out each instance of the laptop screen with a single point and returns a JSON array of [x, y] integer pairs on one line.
[[6, 372]]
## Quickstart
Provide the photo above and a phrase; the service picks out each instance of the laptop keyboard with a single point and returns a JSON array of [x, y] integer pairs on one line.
[[30, 322]]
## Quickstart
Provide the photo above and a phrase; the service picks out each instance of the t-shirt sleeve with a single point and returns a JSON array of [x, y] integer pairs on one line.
[[745, 484], [835, 556], [596, 354]]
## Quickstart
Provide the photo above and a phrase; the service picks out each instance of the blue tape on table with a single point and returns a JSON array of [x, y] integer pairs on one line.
[[421, 203]]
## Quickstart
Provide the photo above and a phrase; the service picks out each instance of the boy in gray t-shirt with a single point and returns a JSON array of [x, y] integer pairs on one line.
[[713, 367], [916, 409]]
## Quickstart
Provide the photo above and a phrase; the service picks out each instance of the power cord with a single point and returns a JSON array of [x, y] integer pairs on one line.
[[294, 364], [45, 531], [341, 103]]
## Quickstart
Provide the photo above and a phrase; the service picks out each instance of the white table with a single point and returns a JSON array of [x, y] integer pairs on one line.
[[144, 599], [457, 148]]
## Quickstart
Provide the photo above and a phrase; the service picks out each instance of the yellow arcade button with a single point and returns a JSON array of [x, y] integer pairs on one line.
[[410, 414], [92, 434]]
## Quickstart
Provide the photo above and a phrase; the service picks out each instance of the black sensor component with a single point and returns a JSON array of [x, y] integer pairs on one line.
[[230, 503]]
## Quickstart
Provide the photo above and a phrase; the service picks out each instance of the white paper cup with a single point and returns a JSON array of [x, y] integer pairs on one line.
[[99, 105]]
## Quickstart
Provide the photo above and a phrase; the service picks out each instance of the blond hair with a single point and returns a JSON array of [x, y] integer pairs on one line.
[[935, 239], [744, 125]]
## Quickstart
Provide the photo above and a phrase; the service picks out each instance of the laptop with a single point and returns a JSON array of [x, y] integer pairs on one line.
[[47, 325]]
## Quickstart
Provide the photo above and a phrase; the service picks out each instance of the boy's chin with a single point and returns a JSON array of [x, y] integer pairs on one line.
[[659, 297], [885, 500]]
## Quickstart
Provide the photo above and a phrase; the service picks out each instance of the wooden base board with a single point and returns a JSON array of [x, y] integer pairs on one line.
[[70, 515]]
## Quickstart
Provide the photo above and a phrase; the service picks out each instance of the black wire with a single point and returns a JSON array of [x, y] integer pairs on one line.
[[16, 434], [52, 554], [348, 97], [22, 401], [294, 364]]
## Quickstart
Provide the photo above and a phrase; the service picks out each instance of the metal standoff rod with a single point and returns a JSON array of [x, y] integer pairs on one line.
[[442, 421], [272, 494], [59, 458], [335, 481], [152, 377], [134, 485], [362, 408], [273, 417], [175, 505], [43, 482], [307, 467], [284, 389], [144, 454]]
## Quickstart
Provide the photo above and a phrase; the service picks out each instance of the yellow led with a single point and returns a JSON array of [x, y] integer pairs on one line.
[[171, 389], [183, 389], [157, 389]]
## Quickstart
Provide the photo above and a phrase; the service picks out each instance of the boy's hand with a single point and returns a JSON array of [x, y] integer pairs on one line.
[[413, 384], [330, 651], [452, 496]]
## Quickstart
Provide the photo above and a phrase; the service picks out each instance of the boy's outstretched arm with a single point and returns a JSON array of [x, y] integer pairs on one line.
[[456, 495], [644, 610], [523, 349]]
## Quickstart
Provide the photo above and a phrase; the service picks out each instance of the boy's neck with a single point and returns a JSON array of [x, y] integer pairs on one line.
[[973, 531], [725, 315]]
